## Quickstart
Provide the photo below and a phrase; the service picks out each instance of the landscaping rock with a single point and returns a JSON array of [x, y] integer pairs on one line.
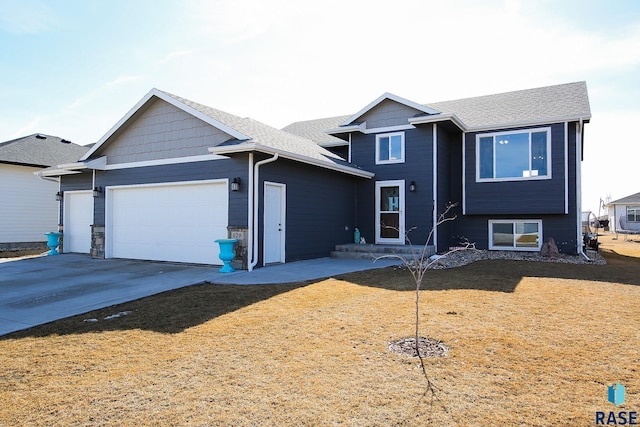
[[550, 249]]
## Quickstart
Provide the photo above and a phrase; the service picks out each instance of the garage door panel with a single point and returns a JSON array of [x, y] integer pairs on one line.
[[169, 223]]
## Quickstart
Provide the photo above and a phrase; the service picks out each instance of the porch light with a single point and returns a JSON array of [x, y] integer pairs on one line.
[[412, 186], [235, 184], [97, 191], [59, 196]]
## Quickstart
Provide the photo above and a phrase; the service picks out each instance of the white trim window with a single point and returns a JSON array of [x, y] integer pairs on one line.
[[633, 213], [390, 148], [513, 156], [515, 235]]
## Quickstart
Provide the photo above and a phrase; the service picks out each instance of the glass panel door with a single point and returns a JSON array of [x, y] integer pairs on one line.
[[390, 212]]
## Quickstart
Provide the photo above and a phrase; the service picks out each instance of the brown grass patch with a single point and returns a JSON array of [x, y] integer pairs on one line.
[[530, 344]]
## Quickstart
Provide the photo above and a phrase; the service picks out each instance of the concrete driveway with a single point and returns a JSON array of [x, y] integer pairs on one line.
[[39, 290]]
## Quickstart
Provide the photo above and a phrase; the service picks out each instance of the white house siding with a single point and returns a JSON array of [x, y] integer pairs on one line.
[[28, 205], [163, 131], [618, 211]]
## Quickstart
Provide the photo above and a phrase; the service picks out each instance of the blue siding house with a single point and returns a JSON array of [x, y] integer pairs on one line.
[[172, 176], [511, 162]]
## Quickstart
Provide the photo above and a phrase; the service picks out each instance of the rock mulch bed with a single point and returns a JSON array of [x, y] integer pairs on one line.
[[460, 258]]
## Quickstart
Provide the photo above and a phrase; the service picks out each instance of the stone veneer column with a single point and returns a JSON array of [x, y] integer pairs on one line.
[[97, 241], [241, 260]]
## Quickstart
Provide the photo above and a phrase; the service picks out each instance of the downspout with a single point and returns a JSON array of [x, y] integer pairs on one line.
[[256, 200], [435, 187], [349, 153], [250, 215], [579, 190]]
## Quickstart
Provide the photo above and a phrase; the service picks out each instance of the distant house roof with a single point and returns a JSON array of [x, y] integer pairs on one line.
[[246, 134], [633, 199], [548, 104], [40, 150]]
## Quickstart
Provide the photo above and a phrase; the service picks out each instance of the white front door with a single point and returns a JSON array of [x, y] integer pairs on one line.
[[274, 222], [390, 212], [77, 220]]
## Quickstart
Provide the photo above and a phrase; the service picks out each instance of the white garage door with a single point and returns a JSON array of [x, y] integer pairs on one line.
[[176, 222], [78, 217]]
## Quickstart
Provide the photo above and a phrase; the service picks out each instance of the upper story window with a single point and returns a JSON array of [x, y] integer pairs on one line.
[[390, 148], [516, 155]]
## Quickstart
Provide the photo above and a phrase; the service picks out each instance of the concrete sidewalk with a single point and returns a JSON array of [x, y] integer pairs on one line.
[[42, 289]]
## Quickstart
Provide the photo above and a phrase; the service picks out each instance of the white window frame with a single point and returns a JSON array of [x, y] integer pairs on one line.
[[636, 214], [389, 135], [514, 247], [495, 136]]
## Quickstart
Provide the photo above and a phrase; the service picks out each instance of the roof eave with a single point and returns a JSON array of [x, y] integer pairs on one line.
[[65, 169], [524, 123], [439, 118], [346, 129], [245, 148], [30, 165]]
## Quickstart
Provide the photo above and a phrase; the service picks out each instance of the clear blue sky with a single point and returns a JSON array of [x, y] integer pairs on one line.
[[74, 68]]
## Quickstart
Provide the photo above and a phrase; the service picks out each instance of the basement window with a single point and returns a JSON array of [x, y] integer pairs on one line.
[[515, 235]]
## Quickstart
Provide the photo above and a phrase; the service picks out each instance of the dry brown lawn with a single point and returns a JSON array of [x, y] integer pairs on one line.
[[530, 344]]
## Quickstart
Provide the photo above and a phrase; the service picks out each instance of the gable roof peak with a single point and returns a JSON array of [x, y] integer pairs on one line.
[[392, 97], [211, 116]]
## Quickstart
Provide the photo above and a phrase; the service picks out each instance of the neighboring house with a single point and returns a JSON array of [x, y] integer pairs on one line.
[[29, 207], [624, 214], [173, 175]]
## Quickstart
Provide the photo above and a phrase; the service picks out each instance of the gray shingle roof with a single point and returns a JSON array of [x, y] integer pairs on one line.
[[539, 105], [315, 130], [40, 150], [548, 103], [260, 133], [632, 199]]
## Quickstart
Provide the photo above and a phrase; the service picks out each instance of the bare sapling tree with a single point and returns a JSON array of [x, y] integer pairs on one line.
[[420, 261]]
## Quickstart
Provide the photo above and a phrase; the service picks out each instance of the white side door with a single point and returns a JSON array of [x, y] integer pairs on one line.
[[77, 220], [274, 222]]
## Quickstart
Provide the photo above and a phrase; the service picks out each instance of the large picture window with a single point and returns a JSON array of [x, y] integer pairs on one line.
[[515, 235], [390, 148], [518, 155], [633, 214]]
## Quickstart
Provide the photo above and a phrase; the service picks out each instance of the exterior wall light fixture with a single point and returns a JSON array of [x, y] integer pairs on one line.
[[412, 186], [59, 196], [97, 191], [235, 184]]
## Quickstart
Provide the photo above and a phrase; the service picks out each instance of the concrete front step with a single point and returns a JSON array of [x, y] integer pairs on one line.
[[370, 251]]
